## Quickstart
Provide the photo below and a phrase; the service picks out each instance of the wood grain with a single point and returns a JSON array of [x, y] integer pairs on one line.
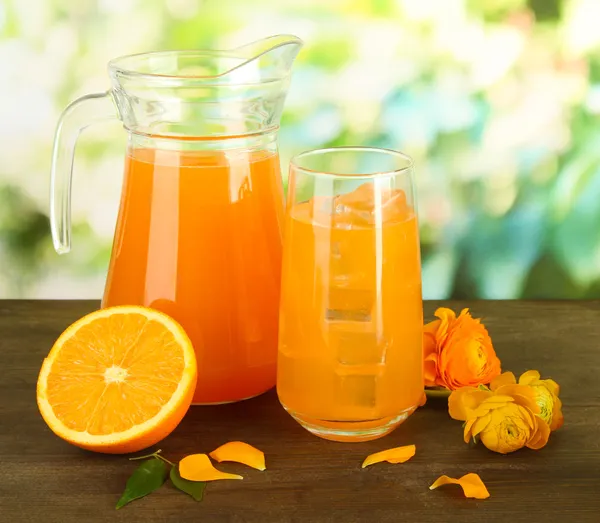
[[310, 480]]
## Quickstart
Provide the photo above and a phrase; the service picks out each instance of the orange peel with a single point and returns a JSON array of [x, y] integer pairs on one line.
[[395, 455], [240, 452], [472, 485], [197, 467]]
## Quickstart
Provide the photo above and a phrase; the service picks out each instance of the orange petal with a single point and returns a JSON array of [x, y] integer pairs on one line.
[[446, 315], [471, 484], [431, 327], [197, 467], [240, 452], [395, 455], [430, 370], [506, 378]]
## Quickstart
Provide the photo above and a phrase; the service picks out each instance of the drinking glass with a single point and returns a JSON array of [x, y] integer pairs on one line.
[[350, 363]]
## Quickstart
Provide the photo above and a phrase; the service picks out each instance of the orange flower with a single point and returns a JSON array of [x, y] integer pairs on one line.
[[505, 419], [458, 351]]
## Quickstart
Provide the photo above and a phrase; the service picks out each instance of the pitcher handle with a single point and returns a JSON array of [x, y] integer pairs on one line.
[[81, 113]]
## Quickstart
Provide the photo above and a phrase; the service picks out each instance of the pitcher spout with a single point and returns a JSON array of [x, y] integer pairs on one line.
[[268, 59], [210, 93]]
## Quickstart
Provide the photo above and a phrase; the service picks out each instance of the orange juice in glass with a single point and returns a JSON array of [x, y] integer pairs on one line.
[[351, 319]]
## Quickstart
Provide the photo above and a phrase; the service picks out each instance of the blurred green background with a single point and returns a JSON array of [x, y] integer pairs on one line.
[[496, 100]]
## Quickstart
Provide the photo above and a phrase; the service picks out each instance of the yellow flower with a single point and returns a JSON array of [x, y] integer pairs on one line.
[[546, 395], [546, 392], [504, 419], [458, 351]]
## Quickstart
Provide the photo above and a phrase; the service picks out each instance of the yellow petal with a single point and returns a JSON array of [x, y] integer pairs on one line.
[[522, 395], [462, 402], [480, 424], [471, 484], [527, 378], [506, 378], [540, 436], [557, 415], [467, 436], [500, 398], [552, 386], [240, 452], [395, 455], [197, 467]]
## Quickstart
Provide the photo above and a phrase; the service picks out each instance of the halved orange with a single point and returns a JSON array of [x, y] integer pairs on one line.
[[118, 380]]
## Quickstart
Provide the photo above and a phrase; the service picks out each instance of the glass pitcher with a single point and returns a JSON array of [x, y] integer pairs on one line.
[[198, 234]]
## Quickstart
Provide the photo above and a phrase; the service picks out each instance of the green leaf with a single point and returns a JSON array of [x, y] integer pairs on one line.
[[149, 476], [193, 488]]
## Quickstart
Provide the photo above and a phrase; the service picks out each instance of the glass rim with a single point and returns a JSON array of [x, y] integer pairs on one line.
[[406, 169]]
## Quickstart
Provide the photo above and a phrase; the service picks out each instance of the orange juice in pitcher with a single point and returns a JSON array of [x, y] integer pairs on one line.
[[199, 229]]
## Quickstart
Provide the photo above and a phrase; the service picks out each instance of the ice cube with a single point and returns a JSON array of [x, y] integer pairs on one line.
[[350, 313], [369, 205], [356, 391], [357, 344], [349, 304], [350, 287]]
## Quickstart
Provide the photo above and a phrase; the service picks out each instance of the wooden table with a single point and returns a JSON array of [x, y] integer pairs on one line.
[[308, 479]]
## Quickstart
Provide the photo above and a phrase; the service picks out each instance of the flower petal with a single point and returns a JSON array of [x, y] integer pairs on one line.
[[506, 378], [462, 402], [480, 424], [430, 369], [522, 394], [395, 455], [527, 378], [540, 436], [552, 386], [557, 415], [240, 452], [471, 484], [489, 405], [431, 327], [446, 315], [467, 436], [197, 467]]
